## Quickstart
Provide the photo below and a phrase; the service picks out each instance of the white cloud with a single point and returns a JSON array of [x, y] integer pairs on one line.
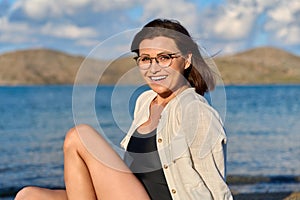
[[283, 25], [87, 42], [21, 31], [293, 36], [184, 11], [15, 39], [36, 9], [288, 35], [14, 32], [68, 31], [232, 26], [111, 5], [281, 14], [6, 26], [236, 19], [41, 9], [243, 24]]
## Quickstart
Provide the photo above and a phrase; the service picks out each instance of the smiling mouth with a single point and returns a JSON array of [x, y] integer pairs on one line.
[[157, 78]]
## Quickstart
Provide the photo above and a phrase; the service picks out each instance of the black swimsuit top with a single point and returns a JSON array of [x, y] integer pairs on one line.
[[144, 162]]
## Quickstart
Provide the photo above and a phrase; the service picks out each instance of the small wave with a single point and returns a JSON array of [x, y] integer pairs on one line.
[[10, 192], [243, 179]]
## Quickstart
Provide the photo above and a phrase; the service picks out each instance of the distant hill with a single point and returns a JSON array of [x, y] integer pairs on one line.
[[40, 66], [263, 65], [43, 66]]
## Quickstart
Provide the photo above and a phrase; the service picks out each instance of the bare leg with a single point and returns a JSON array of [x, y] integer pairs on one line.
[[34, 193], [93, 170]]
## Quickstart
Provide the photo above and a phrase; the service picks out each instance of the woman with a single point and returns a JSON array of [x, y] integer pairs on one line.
[[176, 143]]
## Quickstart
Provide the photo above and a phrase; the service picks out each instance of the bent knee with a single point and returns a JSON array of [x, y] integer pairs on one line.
[[27, 193], [73, 136]]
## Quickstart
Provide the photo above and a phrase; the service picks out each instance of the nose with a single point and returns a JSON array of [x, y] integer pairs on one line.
[[154, 66]]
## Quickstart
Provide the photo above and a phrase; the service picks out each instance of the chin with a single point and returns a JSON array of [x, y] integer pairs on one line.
[[159, 89]]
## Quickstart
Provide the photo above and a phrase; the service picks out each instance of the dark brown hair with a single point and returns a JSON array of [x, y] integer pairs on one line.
[[198, 73]]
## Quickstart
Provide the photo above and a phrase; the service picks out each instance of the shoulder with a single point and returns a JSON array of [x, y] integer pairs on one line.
[[190, 99], [146, 94], [144, 99], [189, 95], [195, 104]]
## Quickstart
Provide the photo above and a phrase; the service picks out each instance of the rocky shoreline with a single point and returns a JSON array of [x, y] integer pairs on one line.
[[268, 196]]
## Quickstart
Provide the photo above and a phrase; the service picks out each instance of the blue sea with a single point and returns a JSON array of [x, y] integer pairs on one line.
[[262, 125]]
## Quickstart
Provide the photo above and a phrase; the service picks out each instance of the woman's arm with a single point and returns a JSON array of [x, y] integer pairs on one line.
[[207, 143]]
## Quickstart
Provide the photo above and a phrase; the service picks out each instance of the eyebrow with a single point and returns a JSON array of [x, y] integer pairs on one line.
[[164, 52]]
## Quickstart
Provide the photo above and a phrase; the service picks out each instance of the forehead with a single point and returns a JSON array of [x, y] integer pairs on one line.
[[158, 44]]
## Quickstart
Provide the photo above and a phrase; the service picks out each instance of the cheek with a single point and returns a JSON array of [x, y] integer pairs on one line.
[[143, 73], [177, 77], [179, 66], [177, 71]]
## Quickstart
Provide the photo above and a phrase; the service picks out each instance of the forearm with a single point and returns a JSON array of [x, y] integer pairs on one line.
[[211, 168]]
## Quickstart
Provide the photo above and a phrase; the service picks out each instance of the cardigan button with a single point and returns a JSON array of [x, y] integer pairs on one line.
[[166, 166], [159, 140], [173, 191]]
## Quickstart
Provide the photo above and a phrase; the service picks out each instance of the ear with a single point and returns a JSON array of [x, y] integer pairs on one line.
[[188, 61]]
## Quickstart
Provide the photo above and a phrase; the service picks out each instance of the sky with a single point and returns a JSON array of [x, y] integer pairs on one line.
[[78, 26]]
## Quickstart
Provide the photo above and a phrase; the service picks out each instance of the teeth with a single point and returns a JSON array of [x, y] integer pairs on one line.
[[157, 78]]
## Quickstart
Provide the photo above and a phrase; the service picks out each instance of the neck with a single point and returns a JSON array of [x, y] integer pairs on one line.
[[164, 99]]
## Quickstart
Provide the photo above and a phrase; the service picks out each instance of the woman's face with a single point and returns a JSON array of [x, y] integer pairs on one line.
[[163, 80]]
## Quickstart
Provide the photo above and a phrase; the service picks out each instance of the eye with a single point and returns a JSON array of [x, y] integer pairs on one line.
[[163, 58], [145, 59]]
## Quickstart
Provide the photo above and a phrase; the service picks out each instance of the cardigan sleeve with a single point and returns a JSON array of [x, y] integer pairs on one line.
[[206, 139]]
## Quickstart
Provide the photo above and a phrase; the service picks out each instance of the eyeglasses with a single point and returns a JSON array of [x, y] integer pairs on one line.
[[164, 60]]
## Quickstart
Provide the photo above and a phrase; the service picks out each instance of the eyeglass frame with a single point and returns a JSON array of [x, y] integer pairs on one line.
[[172, 55]]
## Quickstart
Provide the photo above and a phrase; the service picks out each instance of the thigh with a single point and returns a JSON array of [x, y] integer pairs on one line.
[[111, 178], [95, 147], [41, 193]]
